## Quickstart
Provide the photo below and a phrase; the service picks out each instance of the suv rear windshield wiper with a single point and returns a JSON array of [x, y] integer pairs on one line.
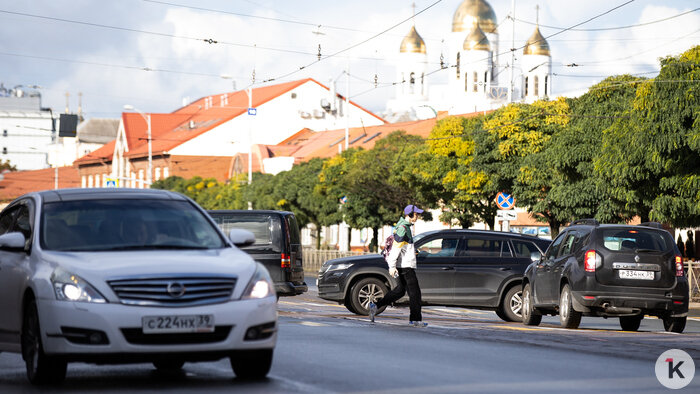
[[646, 250]]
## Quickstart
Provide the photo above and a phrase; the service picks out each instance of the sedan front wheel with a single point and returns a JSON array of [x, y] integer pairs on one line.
[[41, 369]]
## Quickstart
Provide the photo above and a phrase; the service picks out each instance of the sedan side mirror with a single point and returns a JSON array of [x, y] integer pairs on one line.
[[12, 241], [241, 237]]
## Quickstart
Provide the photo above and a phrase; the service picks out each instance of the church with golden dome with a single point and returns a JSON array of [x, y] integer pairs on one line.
[[480, 76]]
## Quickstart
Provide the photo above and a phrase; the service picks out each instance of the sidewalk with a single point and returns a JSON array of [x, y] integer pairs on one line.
[[694, 309]]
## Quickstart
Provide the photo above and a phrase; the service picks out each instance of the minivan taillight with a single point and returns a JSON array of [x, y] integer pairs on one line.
[[286, 261], [679, 266], [590, 261]]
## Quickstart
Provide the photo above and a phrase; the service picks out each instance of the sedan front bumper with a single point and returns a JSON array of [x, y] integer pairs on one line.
[[121, 325]]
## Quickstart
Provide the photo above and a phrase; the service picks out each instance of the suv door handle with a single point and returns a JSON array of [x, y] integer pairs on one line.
[[505, 268], [447, 268]]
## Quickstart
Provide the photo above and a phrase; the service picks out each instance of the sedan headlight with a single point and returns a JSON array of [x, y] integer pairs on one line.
[[260, 285], [339, 266], [69, 287]]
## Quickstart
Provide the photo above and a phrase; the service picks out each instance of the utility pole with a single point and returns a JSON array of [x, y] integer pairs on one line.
[[347, 101], [512, 53]]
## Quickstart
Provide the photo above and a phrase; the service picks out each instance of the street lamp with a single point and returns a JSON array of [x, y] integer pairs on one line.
[[147, 118]]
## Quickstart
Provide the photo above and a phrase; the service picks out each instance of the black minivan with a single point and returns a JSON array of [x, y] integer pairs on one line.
[[277, 244]]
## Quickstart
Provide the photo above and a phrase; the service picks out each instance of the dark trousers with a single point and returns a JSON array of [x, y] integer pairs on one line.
[[407, 281]]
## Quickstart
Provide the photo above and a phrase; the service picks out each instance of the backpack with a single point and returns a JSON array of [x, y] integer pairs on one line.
[[388, 242], [387, 246]]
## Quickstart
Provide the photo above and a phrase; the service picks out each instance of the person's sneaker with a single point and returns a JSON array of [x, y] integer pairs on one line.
[[417, 324], [372, 311]]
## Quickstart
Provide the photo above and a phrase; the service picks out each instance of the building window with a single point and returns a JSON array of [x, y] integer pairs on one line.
[[466, 83], [486, 79], [536, 87], [90, 184], [166, 172], [83, 181], [140, 179], [4, 150], [97, 181], [4, 133], [412, 82], [422, 83], [294, 95], [476, 82], [157, 175], [458, 65], [526, 86], [546, 80]]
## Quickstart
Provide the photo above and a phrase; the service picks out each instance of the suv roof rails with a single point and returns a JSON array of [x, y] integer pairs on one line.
[[589, 222], [651, 224]]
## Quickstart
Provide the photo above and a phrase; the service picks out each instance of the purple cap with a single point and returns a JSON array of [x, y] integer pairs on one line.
[[410, 209]]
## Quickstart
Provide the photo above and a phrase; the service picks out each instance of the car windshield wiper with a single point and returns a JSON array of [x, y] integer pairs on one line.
[[152, 247]]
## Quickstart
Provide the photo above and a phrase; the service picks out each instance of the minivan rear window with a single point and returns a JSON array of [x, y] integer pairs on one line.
[[632, 239], [294, 236]]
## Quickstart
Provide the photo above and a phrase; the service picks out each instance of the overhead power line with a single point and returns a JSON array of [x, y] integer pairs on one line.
[[612, 28], [355, 45], [207, 40]]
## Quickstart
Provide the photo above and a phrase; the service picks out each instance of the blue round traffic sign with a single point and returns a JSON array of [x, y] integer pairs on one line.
[[505, 201]]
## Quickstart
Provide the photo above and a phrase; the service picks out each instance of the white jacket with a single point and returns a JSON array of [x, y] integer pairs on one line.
[[402, 255]]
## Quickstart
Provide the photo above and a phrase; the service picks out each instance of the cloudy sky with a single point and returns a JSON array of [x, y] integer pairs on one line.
[[153, 54]]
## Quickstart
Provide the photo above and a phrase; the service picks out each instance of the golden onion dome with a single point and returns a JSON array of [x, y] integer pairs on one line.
[[476, 40], [471, 10], [413, 42], [536, 44]]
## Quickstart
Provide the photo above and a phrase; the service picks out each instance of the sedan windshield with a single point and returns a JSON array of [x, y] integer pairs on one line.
[[120, 224]]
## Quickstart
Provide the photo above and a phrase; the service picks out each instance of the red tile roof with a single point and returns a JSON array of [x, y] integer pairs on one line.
[[18, 183], [171, 130], [218, 167]]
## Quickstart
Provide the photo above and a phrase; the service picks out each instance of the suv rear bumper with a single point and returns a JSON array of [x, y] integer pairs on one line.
[[616, 304], [290, 289]]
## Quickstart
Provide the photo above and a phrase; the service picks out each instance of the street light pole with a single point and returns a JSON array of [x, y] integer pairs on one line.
[[147, 118]]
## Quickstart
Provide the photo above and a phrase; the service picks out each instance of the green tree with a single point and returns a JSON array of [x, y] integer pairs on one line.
[[651, 158], [376, 182], [295, 193], [538, 175], [447, 168], [574, 151], [668, 109]]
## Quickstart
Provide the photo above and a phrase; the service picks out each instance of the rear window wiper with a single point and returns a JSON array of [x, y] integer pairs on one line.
[[646, 250]]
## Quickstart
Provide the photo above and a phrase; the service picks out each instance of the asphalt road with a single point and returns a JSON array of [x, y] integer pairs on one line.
[[324, 348]]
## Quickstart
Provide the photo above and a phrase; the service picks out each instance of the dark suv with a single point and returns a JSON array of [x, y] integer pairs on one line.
[[470, 268], [277, 244], [608, 270]]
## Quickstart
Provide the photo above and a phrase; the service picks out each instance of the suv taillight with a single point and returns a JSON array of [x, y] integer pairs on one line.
[[590, 261], [679, 266], [286, 261]]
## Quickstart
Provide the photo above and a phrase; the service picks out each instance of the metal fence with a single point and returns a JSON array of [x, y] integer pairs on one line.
[[693, 273], [314, 258]]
